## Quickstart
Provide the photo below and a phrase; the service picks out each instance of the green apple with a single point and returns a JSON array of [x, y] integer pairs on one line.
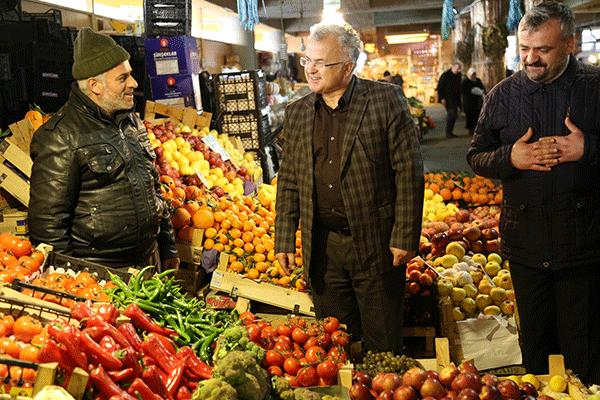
[[485, 286], [455, 249], [496, 280], [494, 257], [510, 295], [468, 305], [458, 314], [446, 261], [479, 258], [444, 287], [471, 290], [483, 300], [492, 310], [506, 265], [439, 269], [498, 294], [492, 268], [458, 294], [503, 272], [477, 276], [507, 307], [506, 282]]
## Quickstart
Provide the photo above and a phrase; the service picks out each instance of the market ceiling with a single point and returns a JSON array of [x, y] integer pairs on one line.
[[382, 16]]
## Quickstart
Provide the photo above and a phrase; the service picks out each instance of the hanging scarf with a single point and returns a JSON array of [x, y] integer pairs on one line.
[[248, 13], [514, 15], [447, 19]]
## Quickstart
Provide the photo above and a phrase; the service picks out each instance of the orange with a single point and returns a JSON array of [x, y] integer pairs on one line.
[[203, 219], [219, 247], [237, 266], [259, 257], [210, 233], [219, 216], [238, 242], [434, 187], [260, 248], [446, 194], [209, 244], [253, 273], [36, 118], [248, 237], [181, 218], [262, 266], [457, 194], [249, 247], [235, 233]]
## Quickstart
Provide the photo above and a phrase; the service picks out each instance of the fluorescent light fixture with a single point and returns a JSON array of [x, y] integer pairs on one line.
[[407, 38], [592, 59]]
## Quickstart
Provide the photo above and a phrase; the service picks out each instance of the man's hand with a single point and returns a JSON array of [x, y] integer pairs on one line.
[[554, 150], [401, 256], [523, 154], [287, 261], [171, 263]]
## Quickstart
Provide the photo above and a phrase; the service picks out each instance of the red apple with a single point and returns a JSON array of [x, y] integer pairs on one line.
[[472, 233], [428, 232], [490, 393], [466, 380], [476, 246], [527, 388], [448, 373], [491, 246], [414, 377], [470, 368], [433, 374], [468, 394], [360, 391], [440, 239], [405, 392], [438, 251], [425, 247], [509, 389], [431, 387], [490, 380], [385, 395], [462, 215], [489, 234], [544, 397], [386, 380], [454, 234]]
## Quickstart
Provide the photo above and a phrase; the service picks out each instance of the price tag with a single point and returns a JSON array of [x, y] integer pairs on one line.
[[215, 146], [202, 178]]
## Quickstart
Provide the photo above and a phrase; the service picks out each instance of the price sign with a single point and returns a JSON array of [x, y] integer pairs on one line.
[[202, 178], [215, 146]]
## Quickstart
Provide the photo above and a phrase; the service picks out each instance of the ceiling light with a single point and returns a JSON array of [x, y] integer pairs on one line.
[[302, 45], [592, 59], [331, 16], [407, 38], [370, 47]]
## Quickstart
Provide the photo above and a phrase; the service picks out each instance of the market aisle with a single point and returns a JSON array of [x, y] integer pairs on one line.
[[440, 153]]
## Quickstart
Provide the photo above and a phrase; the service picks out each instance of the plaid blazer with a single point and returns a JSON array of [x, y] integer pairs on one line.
[[381, 172]]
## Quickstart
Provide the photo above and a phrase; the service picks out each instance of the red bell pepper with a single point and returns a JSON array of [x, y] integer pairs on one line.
[[52, 352], [183, 393], [138, 386], [152, 378], [81, 312], [128, 330], [154, 348], [198, 367], [103, 382], [57, 325], [142, 321], [109, 313], [168, 343], [70, 337], [148, 361], [109, 344], [96, 320], [175, 376], [105, 358]]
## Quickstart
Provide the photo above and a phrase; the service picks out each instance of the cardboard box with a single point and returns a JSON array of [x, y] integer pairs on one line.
[[14, 221], [10, 151], [15, 183], [172, 56], [179, 91]]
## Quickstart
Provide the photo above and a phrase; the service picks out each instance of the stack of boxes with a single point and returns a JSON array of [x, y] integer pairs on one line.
[[241, 99], [173, 66]]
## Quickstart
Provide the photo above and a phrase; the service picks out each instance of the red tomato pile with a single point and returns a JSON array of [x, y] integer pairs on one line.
[[305, 355], [17, 258]]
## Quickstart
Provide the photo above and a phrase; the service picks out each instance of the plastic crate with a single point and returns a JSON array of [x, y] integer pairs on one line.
[[167, 18], [52, 14], [241, 91], [251, 127], [58, 260]]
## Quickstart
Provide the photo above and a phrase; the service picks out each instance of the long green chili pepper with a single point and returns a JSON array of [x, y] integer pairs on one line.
[[138, 278], [149, 307], [205, 346], [165, 273]]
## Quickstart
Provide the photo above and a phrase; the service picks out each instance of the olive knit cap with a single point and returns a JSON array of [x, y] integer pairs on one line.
[[95, 53]]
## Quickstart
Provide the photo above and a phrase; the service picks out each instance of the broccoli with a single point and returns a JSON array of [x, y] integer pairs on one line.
[[258, 352], [306, 394], [240, 370], [281, 388], [214, 389], [235, 333]]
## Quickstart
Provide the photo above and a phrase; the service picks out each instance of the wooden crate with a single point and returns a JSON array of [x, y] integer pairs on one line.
[[22, 132], [427, 337], [188, 116], [9, 150], [238, 286]]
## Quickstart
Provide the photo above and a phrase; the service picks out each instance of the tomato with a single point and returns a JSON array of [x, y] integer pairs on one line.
[[6, 258], [262, 324], [281, 346], [11, 243], [291, 366], [10, 347], [291, 379], [312, 341], [21, 247], [91, 291], [324, 340], [308, 376], [340, 337], [29, 353], [84, 279], [26, 328], [314, 330], [38, 257], [298, 321], [274, 370], [327, 369], [326, 382], [39, 339], [8, 275], [274, 357], [286, 340], [298, 353], [253, 332], [331, 324], [299, 335], [315, 354], [29, 375], [8, 321], [284, 329]]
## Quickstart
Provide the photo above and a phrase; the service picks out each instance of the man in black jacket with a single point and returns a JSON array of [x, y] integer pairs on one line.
[[448, 89], [95, 192], [539, 133]]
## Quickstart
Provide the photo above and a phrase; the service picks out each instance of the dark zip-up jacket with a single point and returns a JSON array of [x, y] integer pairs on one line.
[[95, 192], [549, 219]]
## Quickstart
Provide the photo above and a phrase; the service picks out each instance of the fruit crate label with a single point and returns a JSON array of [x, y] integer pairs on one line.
[[202, 178], [215, 146]]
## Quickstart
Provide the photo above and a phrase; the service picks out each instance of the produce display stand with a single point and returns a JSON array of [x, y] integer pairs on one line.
[[238, 286], [188, 116]]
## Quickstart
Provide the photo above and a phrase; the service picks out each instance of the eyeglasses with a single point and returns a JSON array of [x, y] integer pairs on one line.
[[317, 64]]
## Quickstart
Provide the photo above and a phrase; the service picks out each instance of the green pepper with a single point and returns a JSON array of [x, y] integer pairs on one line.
[[139, 277], [205, 346]]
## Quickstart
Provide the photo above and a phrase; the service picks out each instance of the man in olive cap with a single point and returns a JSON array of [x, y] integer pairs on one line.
[[95, 192]]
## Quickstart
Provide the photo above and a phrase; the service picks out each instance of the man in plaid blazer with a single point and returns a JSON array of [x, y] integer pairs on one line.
[[352, 174]]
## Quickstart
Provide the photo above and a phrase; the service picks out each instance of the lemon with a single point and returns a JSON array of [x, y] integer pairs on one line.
[[531, 378], [516, 379], [558, 383]]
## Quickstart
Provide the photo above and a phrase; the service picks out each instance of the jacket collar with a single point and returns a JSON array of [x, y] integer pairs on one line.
[[565, 80], [88, 106]]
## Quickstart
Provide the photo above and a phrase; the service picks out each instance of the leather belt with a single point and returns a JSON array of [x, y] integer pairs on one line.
[[343, 231]]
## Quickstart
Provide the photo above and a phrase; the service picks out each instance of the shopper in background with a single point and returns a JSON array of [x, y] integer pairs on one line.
[[539, 133], [397, 80], [448, 89], [387, 76], [95, 192], [472, 98], [352, 174]]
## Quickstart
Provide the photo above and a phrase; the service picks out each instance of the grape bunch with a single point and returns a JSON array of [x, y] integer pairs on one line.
[[373, 363]]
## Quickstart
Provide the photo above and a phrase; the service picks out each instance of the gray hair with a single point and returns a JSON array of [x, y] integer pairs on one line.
[[546, 10], [84, 85], [349, 39]]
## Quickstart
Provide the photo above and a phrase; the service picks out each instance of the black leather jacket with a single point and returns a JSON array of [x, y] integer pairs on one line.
[[95, 192], [549, 220]]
